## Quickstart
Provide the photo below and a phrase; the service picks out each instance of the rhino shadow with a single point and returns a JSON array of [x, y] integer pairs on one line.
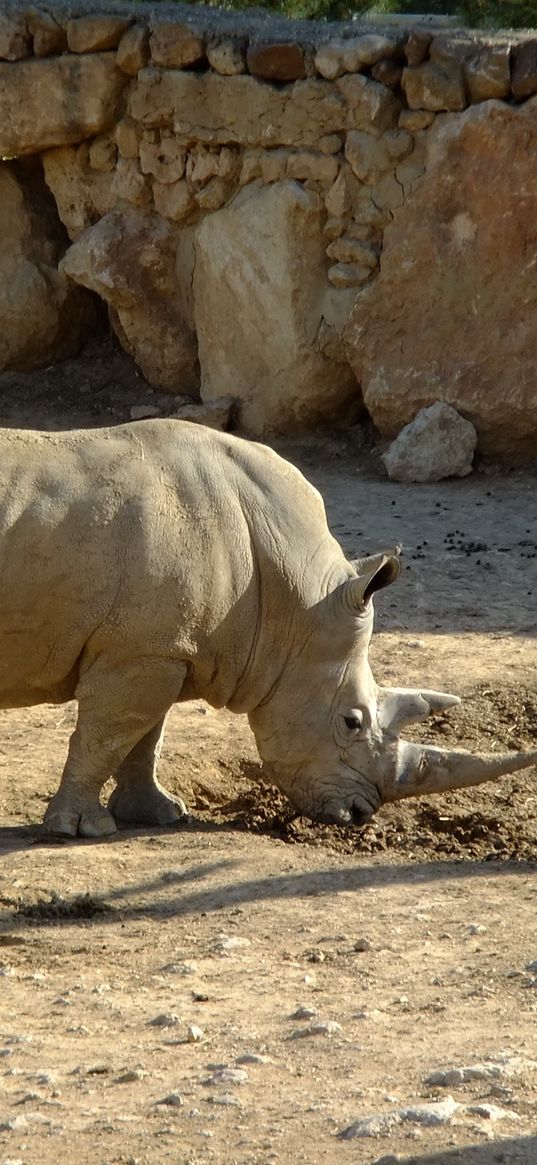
[[512, 1151]]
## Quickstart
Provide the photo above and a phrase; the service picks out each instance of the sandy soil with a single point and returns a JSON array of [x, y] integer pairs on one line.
[[410, 943]]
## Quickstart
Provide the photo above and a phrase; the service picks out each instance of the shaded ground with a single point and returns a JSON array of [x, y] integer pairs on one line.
[[416, 934]]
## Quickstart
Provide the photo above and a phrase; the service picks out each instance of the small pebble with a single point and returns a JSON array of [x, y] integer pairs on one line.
[[228, 1076], [329, 1028], [130, 1076], [195, 1034], [226, 942], [253, 1058], [362, 944], [226, 1099]]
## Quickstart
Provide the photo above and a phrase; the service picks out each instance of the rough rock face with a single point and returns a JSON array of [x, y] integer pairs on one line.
[[259, 286], [43, 317], [57, 100], [131, 261], [452, 313], [438, 443]]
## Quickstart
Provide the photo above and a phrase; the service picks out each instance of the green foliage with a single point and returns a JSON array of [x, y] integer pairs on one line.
[[475, 13]]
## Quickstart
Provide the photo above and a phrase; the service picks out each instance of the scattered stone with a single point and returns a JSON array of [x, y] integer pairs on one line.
[[131, 1076], [228, 1075], [195, 1034], [476, 928], [502, 1066], [166, 1019], [304, 1012], [329, 1028], [491, 1112], [362, 944], [438, 443], [226, 942], [438, 1112], [142, 412], [253, 1058], [227, 1100], [371, 1126], [173, 1100]]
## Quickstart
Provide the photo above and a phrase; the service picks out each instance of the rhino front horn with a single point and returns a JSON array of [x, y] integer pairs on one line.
[[423, 769]]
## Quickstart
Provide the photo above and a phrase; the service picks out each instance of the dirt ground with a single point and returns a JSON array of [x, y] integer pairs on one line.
[[248, 987]]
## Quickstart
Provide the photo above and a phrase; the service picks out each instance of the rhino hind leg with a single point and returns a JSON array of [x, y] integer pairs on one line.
[[138, 798], [119, 706]]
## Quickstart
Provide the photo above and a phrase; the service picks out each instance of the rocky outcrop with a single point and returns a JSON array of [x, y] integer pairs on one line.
[[43, 316], [259, 287], [438, 443], [131, 262], [451, 315]]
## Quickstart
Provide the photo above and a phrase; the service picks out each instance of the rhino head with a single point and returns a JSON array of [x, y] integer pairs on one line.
[[329, 735]]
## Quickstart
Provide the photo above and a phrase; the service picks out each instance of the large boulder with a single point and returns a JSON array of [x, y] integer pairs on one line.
[[58, 100], [451, 316], [261, 304], [438, 443], [131, 261], [43, 316]]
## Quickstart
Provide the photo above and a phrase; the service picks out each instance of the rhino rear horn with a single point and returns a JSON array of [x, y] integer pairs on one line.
[[400, 706], [422, 769]]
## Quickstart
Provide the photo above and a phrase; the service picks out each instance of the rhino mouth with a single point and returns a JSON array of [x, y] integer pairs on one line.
[[355, 815]]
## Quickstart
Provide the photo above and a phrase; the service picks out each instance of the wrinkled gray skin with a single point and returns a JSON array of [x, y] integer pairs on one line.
[[161, 562]]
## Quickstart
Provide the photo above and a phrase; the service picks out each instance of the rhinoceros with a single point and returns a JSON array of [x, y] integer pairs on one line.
[[159, 562]]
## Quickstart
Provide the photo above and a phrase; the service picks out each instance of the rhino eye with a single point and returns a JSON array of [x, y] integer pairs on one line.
[[353, 723]]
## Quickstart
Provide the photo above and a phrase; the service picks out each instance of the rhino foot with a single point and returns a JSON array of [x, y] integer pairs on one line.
[[155, 807], [72, 823]]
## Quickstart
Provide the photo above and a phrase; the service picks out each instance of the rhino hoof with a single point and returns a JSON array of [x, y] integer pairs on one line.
[[71, 823], [157, 809]]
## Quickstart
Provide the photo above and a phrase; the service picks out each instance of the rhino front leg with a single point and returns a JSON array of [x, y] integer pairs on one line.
[[118, 706], [139, 799]]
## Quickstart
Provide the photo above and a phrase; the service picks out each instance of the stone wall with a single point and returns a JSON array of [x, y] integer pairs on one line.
[[309, 218]]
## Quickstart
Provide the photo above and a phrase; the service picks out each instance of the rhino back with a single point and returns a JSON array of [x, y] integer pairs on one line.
[[159, 537]]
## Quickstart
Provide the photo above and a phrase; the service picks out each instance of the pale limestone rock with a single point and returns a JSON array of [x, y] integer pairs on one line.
[[133, 50], [227, 57], [361, 52], [347, 250], [217, 413], [430, 87], [333, 228], [43, 318], [174, 46], [408, 173], [488, 74], [367, 156], [94, 34], [14, 36], [259, 278], [331, 143], [174, 202], [229, 162], [399, 143], [82, 195], [329, 59], [438, 443], [242, 110], [129, 260], [251, 166], [338, 200], [457, 278], [48, 37], [165, 159], [57, 101], [213, 195], [129, 185], [127, 139], [370, 106], [348, 274], [304, 165], [388, 194], [274, 165], [415, 120], [202, 165], [102, 153]]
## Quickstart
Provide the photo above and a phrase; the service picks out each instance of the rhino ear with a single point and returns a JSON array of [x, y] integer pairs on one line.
[[373, 573]]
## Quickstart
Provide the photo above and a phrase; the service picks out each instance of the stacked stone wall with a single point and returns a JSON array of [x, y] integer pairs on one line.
[[258, 203]]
